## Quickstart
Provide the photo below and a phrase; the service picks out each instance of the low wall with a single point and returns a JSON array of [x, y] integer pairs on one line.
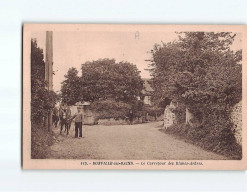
[[88, 116], [113, 121]]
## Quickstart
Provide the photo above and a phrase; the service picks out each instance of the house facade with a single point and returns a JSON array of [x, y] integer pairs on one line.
[[147, 92]]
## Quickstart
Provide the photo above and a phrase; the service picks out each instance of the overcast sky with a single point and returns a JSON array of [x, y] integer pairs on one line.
[[71, 49]]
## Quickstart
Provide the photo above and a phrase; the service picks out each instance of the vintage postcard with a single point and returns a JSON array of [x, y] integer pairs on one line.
[[118, 96]]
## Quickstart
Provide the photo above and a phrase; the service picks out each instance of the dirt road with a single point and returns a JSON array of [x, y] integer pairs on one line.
[[126, 142]]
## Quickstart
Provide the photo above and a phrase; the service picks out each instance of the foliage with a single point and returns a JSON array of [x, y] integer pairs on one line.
[[137, 106], [201, 72], [106, 79], [106, 109], [179, 69], [179, 112], [41, 139], [153, 110], [215, 143], [41, 99], [71, 87]]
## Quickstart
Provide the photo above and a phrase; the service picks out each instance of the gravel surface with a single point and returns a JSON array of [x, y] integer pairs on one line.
[[126, 142]]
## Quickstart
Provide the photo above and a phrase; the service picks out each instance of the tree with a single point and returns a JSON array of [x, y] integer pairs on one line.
[[106, 84], [185, 70], [106, 109], [164, 66], [41, 99], [71, 90], [201, 72], [209, 78], [105, 79]]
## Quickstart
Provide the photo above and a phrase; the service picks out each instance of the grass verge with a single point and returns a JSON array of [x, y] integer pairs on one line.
[[41, 140], [211, 143]]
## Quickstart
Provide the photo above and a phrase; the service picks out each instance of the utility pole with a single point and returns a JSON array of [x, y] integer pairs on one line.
[[49, 71]]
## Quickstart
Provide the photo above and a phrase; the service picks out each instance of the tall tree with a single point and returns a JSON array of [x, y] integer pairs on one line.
[[41, 99], [71, 91], [182, 70], [106, 79], [164, 65], [202, 73]]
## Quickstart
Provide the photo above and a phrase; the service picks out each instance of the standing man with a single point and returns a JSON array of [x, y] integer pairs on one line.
[[78, 122]]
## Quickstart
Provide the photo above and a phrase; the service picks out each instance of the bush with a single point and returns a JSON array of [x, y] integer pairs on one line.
[[153, 110], [180, 113], [41, 139], [201, 71], [42, 100], [106, 109], [211, 138]]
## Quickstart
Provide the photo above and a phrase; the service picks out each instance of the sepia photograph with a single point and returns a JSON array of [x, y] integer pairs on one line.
[[123, 96], [133, 96]]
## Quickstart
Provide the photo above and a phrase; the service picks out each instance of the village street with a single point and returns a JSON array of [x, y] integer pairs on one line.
[[126, 142]]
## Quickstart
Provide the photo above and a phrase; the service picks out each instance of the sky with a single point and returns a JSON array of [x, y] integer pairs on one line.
[[71, 49]]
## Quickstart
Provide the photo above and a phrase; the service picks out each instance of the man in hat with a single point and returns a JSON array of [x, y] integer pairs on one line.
[[78, 122]]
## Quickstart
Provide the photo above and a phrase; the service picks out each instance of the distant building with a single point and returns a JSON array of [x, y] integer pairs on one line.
[[89, 116], [147, 92]]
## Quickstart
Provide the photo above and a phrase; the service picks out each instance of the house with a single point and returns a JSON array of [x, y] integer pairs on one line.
[[147, 92]]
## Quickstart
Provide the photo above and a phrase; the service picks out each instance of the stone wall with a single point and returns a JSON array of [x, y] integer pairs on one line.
[[89, 116], [112, 121], [189, 117], [169, 117], [236, 117]]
